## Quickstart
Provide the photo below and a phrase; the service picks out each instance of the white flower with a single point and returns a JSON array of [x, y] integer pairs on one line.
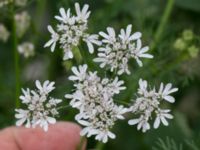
[[82, 15], [142, 87], [70, 30], [4, 34], [103, 136], [54, 39], [116, 50], [90, 40], [46, 88], [27, 49], [22, 23], [116, 86], [26, 97], [65, 17], [141, 122], [140, 52], [126, 36], [110, 37], [93, 97], [162, 115], [148, 103], [41, 110], [23, 116], [79, 73], [44, 121], [165, 91]]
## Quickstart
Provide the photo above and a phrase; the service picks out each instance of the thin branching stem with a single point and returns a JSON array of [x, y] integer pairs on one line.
[[81, 144], [16, 59], [163, 22], [99, 146]]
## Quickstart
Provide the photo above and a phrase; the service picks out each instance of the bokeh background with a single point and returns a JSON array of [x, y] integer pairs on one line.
[[170, 27]]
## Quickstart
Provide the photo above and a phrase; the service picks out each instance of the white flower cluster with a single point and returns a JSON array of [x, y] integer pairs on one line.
[[116, 50], [22, 23], [41, 109], [26, 49], [4, 34], [148, 103], [93, 96], [70, 30], [94, 100]]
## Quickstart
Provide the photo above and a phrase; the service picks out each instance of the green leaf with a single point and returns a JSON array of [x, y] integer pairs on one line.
[[193, 5]]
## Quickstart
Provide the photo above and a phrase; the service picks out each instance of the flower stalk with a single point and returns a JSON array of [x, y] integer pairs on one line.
[[163, 22], [99, 146], [81, 144], [16, 59]]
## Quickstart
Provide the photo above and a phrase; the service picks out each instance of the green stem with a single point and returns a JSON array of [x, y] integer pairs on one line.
[[99, 146], [16, 59], [63, 107], [161, 27], [81, 144], [122, 102]]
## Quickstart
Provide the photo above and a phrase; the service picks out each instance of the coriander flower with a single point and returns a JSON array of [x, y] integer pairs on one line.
[[26, 49], [41, 109], [148, 103], [93, 97], [71, 30], [165, 91], [53, 40], [161, 116], [116, 50]]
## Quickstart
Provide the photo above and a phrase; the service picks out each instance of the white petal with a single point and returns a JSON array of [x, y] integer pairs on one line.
[[156, 123], [169, 99], [133, 121]]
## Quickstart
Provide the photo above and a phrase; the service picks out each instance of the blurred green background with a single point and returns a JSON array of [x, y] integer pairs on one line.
[[165, 25]]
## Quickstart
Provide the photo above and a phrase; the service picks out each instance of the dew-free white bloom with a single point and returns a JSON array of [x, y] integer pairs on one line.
[[161, 116], [41, 109], [116, 50], [165, 91], [27, 49], [148, 103], [22, 23], [71, 30], [4, 34], [53, 40], [93, 97]]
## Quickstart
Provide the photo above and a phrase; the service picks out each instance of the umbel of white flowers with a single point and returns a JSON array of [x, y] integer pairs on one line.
[[116, 50], [41, 109], [70, 30], [148, 103], [93, 98]]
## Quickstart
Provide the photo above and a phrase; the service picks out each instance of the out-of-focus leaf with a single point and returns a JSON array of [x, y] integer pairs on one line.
[[193, 5]]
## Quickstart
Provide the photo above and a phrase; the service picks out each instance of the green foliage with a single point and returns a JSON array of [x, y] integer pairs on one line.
[[189, 4], [167, 144]]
